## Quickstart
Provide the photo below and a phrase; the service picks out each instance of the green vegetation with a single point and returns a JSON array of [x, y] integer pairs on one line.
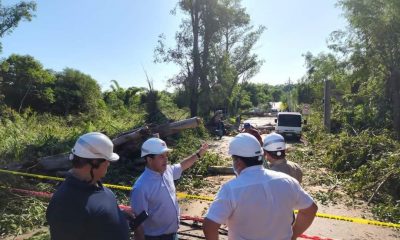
[[20, 213], [365, 166], [42, 111], [17, 214], [362, 147], [30, 135], [11, 16]]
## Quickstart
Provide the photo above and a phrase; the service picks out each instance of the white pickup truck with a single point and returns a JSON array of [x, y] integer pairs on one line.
[[288, 124]]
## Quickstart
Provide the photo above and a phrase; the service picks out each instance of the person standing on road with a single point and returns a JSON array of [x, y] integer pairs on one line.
[[274, 151], [82, 208], [237, 121], [259, 203], [247, 128], [154, 191], [220, 129]]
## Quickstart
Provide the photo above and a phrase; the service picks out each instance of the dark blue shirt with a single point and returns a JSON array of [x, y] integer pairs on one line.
[[79, 210]]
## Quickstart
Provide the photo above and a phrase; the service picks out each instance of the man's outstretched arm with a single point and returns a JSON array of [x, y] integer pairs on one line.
[[189, 161]]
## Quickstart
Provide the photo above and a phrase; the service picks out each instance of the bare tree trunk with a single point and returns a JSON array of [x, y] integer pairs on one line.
[[193, 98], [196, 60], [209, 29]]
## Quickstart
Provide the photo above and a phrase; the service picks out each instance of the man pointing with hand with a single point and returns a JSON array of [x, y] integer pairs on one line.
[[154, 191]]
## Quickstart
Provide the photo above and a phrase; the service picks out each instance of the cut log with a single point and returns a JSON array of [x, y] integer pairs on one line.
[[174, 127], [185, 124], [14, 166], [55, 162], [163, 130], [131, 136], [220, 170]]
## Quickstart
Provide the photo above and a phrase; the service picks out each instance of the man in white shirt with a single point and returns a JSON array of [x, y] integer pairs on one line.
[[154, 191], [259, 203]]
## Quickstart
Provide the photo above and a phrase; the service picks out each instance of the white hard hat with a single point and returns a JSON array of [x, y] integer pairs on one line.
[[274, 142], [154, 146], [95, 145], [245, 145]]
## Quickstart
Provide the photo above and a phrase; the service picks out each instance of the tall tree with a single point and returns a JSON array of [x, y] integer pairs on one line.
[[235, 61], [9, 19], [215, 37], [11, 16], [373, 41], [76, 92], [26, 83]]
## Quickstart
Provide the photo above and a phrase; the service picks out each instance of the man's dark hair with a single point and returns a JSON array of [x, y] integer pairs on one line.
[[149, 155], [274, 154], [249, 161], [79, 162]]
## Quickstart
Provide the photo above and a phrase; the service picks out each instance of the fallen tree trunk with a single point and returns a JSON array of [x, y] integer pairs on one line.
[[131, 136], [126, 145], [174, 127], [220, 170], [163, 130], [55, 162]]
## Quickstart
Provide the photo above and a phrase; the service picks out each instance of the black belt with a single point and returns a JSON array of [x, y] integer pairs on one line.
[[170, 236]]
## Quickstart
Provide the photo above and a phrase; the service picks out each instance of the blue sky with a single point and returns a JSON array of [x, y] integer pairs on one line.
[[116, 39]]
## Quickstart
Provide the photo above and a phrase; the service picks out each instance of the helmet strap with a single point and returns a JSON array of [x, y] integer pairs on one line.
[[93, 166], [91, 175]]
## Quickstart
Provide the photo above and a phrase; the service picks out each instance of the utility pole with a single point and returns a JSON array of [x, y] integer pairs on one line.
[[290, 97], [327, 106]]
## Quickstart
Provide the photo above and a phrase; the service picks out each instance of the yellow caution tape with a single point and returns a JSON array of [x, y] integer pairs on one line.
[[358, 220], [32, 175], [126, 188], [119, 187], [59, 179], [184, 195]]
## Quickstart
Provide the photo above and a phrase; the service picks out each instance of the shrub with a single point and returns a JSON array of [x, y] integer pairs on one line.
[[366, 164]]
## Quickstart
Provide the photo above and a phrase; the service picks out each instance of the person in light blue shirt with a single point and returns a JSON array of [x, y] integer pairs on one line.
[[154, 191]]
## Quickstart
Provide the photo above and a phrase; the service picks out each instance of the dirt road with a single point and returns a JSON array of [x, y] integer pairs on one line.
[[321, 227], [261, 121]]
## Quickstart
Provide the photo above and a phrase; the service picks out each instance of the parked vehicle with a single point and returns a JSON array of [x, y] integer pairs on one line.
[[288, 124]]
